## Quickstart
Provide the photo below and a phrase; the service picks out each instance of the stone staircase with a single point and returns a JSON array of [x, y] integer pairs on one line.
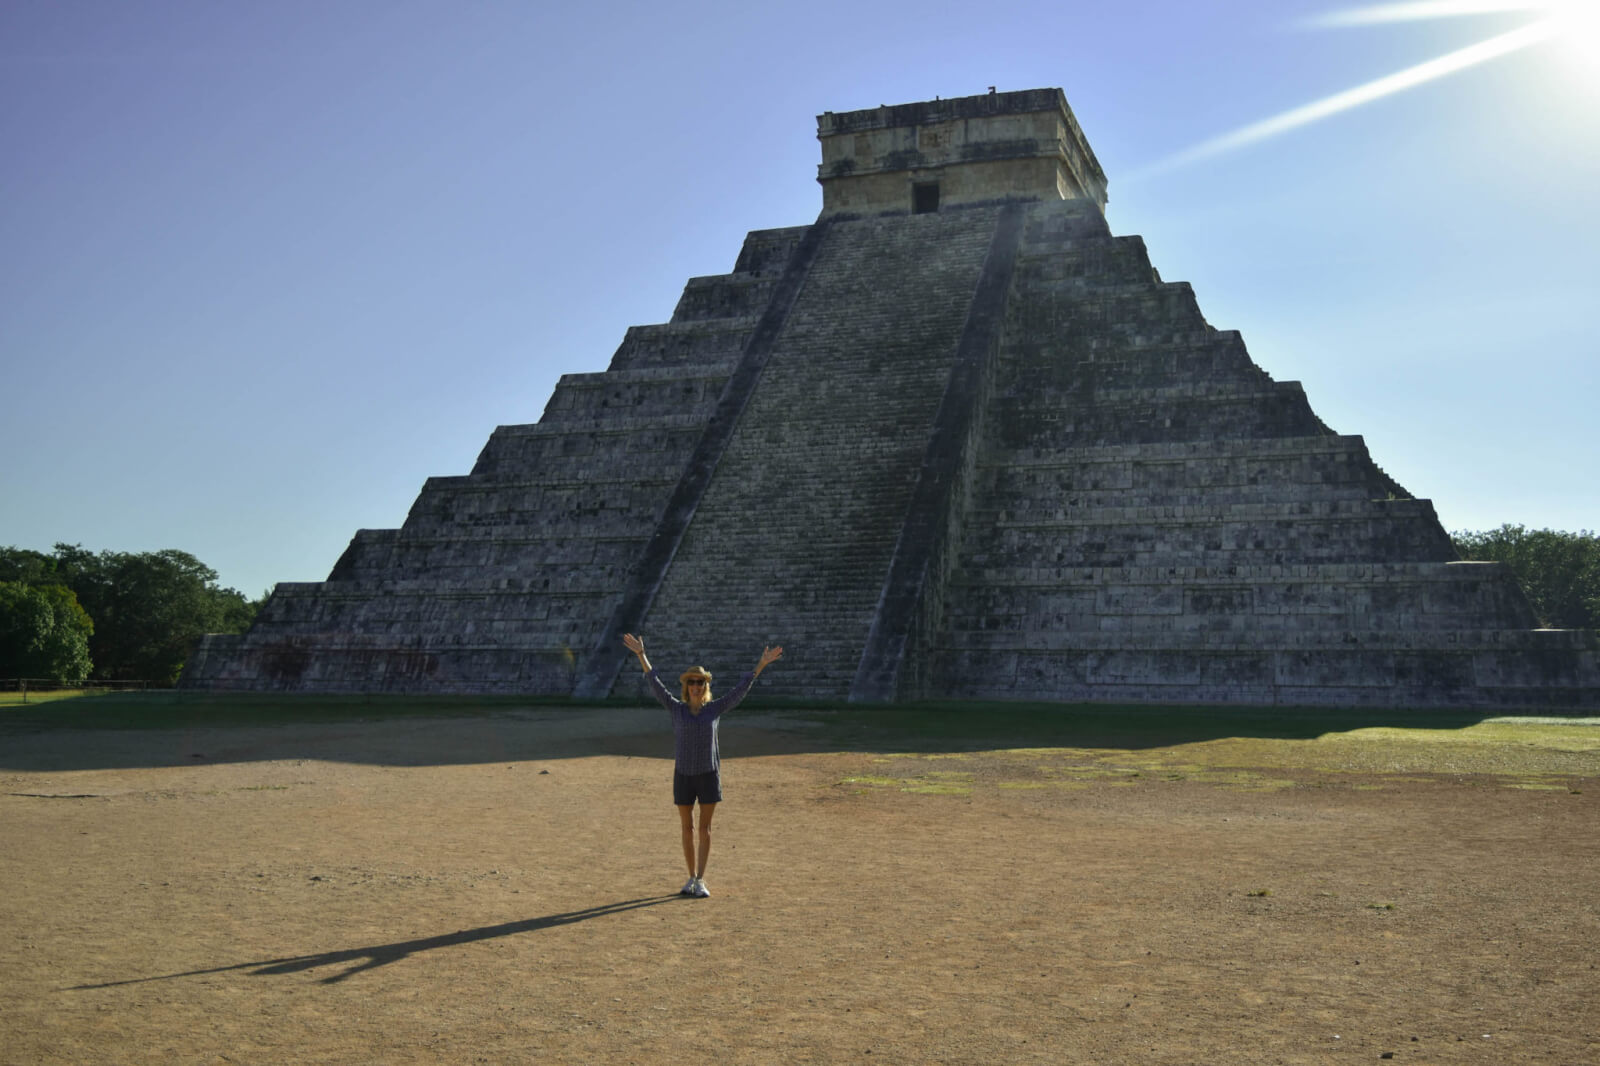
[[792, 541]]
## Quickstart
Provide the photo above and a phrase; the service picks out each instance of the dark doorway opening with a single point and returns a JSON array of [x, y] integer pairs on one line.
[[924, 197]]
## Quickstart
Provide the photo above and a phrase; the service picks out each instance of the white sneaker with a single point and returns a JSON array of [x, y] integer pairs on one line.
[[689, 886], [700, 889]]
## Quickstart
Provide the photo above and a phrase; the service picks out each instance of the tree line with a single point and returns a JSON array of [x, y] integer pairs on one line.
[[1560, 572], [73, 614]]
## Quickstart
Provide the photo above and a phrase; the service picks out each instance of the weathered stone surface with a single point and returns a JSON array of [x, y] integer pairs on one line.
[[973, 149], [963, 445]]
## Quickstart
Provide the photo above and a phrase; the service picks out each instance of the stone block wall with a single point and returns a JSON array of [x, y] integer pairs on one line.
[[499, 580], [1156, 519], [978, 149]]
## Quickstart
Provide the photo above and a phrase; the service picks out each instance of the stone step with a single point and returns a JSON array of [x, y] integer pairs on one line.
[[1124, 339], [809, 668], [337, 637], [1370, 573], [604, 379], [1016, 499], [480, 496], [1341, 539], [583, 547], [1264, 624], [486, 556], [1109, 303], [707, 342], [609, 482], [1264, 610], [1065, 517], [1086, 400], [1496, 673], [1238, 598], [1335, 546], [1126, 454], [482, 588], [409, 634], [724, 296], [1281, 412], [1067, 643], [635, 393], [1068, 225], [1071, 376], [1027, 484], [609, 425], [1056, 339], [612, 523], [1121, 396], [767, 251], [596, 448], [525, 562], [1061, 278], [1065, 379], [1089, 271], [615, 522], [339, 662]]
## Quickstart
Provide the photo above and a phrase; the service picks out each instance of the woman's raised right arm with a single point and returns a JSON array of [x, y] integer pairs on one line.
[[636, 645]]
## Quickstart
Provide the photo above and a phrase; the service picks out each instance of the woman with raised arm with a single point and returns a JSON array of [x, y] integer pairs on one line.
[[696, 767]]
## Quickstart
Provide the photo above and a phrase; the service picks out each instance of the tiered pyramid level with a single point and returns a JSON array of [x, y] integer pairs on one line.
[[1154, 518], [938, 444]]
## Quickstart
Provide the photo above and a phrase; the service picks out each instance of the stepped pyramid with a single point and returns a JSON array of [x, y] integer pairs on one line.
[[951, 439]]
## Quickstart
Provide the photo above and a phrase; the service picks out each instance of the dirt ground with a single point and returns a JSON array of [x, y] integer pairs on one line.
[[501, 889]]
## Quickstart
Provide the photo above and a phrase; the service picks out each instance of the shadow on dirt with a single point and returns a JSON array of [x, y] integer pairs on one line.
[[370, 958], [163, 730]]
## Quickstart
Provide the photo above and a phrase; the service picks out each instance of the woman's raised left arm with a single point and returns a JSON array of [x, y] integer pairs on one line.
[[768, 657]]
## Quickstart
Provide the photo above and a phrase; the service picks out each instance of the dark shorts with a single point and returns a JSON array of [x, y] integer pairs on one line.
[[686, 788]]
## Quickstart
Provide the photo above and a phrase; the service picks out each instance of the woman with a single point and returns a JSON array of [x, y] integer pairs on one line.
[[696, 768]]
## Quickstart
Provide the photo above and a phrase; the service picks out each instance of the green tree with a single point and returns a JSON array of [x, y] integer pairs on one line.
[[44, 633], [238, 613], [147, 607], [1560, 572], [27, 567]]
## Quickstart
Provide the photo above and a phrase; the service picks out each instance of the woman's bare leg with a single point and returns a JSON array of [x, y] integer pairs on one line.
[[686, 816], [706, 811]]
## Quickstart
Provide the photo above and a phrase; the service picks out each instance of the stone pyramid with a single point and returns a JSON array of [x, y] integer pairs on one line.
[[952, 439]]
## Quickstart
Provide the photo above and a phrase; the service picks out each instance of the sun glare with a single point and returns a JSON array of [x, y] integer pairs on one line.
[[1574, 25], [1577, 26]]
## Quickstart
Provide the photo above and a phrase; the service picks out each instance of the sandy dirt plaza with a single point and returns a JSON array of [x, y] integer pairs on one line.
[[502, 889]]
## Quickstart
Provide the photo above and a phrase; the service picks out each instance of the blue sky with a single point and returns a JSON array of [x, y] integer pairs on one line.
[[264, 268]]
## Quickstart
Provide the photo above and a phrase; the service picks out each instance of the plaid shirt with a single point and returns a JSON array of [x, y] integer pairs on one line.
[[695, 735]]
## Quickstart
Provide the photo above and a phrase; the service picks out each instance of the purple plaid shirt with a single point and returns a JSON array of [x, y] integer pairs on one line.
[[695, 735]]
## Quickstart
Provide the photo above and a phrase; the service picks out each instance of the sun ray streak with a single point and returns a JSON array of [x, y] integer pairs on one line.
[[1328, 106], [1417, 10]]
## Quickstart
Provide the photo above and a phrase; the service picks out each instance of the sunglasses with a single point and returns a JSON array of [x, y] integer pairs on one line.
[[696, 682]]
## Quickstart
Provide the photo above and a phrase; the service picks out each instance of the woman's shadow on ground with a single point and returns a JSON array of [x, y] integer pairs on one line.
[[373, 956]]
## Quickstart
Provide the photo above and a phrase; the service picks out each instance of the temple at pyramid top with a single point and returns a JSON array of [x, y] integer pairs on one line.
[[971, 149]]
